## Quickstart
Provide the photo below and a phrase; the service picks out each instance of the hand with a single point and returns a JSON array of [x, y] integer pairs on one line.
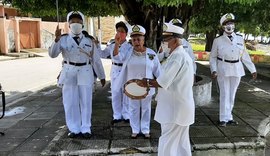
[[103, 82], [142, 82], [117, 38], [57, 34], [254, 75], [214, 75]]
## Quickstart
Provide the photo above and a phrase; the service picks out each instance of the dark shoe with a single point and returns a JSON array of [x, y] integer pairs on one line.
[[72, 135], [134, 136], [147, 136], [86, 135], [126, 120], [116, 121], [232, 122], [222, 124]]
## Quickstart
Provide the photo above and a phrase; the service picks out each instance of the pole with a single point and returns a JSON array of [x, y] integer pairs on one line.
[[57, 11]]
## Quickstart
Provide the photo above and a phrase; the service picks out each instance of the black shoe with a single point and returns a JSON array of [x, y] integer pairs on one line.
[[72, 135], [147, 136], [126, 120], [232, 122], [222, 124], [116, 121], [86, 135]]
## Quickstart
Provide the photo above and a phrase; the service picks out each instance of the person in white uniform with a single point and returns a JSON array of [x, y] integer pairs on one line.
[[175, 109], [227, 55], [119, 99], [140, 62], [186, 45], [80, 57]]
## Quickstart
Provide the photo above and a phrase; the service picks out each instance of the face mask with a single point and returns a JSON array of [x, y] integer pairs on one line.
[[76, 28], [165, 48], [122, 35], [229, 28]]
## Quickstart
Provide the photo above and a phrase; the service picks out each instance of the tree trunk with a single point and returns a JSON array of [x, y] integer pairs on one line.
[[210, 36]]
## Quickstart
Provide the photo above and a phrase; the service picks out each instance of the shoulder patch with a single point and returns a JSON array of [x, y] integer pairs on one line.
[[218, 36]]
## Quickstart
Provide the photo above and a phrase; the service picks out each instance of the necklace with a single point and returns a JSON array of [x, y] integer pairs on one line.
[[139, 53]]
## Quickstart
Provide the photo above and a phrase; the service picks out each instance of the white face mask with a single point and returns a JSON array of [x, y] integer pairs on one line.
[[229, 28], [76, 28], [165, 48]]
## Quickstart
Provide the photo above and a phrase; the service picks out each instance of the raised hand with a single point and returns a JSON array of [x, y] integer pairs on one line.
[[57, 34]]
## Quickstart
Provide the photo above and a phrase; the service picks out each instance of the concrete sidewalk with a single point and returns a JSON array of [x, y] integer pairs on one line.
[[40, 127]]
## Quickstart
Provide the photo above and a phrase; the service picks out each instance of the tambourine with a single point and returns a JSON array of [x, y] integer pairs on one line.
[[134, 91]]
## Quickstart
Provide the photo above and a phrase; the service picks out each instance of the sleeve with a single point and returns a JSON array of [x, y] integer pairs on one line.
[[106, 53], [169, 74], [247, 61], [213, 56], [97, 64], [55, 49], [191, 54], [156, 69]]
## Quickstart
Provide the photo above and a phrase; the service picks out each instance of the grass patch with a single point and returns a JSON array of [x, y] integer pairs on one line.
[[257, 52], [198, 47]]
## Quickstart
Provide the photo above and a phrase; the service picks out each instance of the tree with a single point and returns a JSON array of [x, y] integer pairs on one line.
[[148, 13]]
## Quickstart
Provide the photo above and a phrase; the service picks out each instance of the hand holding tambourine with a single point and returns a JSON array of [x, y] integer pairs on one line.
[[136, 88]]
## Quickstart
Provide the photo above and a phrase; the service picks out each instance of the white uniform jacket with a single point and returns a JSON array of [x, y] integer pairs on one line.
[[188, 49], [175, 103], [152, 70], [85, 52], [116, 63], [225, 49]]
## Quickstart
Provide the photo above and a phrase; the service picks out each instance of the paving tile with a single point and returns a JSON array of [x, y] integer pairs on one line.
[[205, 131]]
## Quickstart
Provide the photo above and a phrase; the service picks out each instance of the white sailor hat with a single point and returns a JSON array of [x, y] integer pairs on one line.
[[227, 18], [76, 14], [137, 30], [176, 21], [172, 30]]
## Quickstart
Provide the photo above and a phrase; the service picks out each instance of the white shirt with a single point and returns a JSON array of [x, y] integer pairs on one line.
[[108, 53], [226, 49], [188, 49], [175, 103]]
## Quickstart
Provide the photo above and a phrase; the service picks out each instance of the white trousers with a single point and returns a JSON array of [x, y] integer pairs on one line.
[[119, 105], [77, 102], [174, 140], [227, 89], [140, 114]]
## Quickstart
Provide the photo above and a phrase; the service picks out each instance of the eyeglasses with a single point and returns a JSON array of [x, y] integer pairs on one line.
[[136, 39], [167, 39]]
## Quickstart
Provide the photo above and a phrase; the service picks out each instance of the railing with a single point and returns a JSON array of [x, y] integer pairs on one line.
[[2, 93]]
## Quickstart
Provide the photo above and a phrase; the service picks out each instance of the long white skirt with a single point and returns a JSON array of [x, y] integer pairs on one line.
[[174, 140]]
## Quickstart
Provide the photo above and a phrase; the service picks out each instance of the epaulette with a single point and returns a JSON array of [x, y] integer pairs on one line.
[[218, 36], [87, 35], [239, 35], [64, 34]]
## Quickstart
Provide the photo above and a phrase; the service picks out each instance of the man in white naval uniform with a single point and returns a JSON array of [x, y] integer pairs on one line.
[[175, 109], [119, 99], [80, 57], [185, 43], [227, 55]]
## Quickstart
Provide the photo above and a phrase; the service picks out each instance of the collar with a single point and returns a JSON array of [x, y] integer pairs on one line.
[[232, 34], [72, 35]]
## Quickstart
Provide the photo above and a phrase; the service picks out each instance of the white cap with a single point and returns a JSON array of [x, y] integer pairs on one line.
[[227, 17], [175, 21], [170, 30], [77, 14], [137, 30]]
